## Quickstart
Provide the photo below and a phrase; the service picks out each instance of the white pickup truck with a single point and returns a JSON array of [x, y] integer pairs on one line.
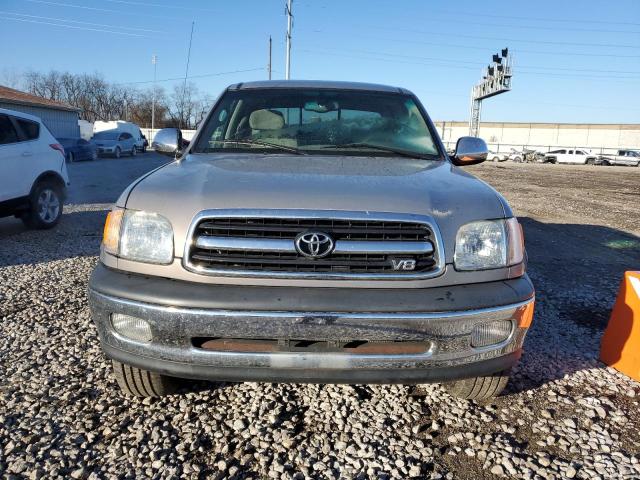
[[576, 156], [622, 157]]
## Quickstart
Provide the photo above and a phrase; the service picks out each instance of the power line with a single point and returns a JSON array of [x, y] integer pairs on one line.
[[515, 40], [96, 9], [81, 23], [158, 5], [204, 75], [480, 64], [75, 27], [474, 47], [468, 68], [541, 19], [542, 42]]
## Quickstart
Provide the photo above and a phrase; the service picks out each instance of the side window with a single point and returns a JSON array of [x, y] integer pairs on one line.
[[579, 152], [7, 132], [570, 152], [30, 130]]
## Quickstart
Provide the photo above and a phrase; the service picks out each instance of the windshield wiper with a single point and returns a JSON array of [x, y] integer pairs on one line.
[[382, 148], [284, 148]]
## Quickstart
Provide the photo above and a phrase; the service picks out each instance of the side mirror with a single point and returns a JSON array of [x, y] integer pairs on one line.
[[469, 151], [168, 141]]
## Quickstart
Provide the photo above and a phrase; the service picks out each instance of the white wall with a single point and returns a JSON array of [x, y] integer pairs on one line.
[[502, 137]]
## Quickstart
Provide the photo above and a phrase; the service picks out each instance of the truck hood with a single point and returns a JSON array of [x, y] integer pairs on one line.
[[199, 182]]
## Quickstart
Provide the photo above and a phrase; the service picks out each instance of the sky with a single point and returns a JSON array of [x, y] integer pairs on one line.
[[575, 61]]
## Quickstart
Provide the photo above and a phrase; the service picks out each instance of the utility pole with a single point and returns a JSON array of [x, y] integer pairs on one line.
[[269, 65], [289, 27], [154, 61], [496, 80], [186, 74]]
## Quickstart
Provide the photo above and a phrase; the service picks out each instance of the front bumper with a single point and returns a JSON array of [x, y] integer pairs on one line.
[[175, 326]]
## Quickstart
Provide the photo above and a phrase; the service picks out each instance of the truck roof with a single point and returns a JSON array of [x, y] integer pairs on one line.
[[320, 84]]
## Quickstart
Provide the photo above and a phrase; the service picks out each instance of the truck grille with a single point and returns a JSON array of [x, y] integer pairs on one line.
[[266, 246]]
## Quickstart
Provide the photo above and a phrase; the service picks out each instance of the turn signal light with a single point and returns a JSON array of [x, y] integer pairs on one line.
[[111, 234]]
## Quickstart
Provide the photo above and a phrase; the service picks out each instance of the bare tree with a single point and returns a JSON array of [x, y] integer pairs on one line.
[[99, 99]]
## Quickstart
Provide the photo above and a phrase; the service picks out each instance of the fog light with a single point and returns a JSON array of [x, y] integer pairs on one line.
[[131, 327], [490, 333]]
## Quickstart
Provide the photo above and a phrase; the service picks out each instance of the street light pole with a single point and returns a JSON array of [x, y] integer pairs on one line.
[[269, 67], [154, 61], [289, 27]]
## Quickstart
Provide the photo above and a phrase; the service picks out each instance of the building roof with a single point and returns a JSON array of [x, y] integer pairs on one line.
[[9, 95], [320, 84]]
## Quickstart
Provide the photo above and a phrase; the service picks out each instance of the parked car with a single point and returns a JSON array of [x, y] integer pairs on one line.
[[495, 157], [115, 143], [78, 149], [313, 232], [515, 155], [122, 126], [622, 157], [570, 156], [34, 179]]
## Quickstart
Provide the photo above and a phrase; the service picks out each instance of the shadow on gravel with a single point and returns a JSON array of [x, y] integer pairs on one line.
[[77, 235], [576, 270]]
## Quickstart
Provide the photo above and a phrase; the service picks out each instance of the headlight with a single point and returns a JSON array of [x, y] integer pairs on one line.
[[489, 244], [139, 236]]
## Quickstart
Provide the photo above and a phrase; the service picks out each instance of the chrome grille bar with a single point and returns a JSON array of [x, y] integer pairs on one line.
[[342, 246], [255, 244]]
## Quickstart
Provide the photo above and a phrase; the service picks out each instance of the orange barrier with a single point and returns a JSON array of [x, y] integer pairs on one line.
[[620, 347]]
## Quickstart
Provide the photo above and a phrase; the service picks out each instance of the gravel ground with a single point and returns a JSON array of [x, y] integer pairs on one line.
[[564, 414]]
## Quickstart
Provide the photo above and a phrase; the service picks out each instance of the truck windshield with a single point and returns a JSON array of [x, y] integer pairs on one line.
[[326, 122]]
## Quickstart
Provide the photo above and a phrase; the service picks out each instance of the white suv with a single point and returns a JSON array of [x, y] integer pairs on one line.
[[33, 173]]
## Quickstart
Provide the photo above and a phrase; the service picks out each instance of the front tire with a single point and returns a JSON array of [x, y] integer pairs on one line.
[[142, 383], [117, 152], [70, 158], [479, 388], [45, 206], [134, 151]]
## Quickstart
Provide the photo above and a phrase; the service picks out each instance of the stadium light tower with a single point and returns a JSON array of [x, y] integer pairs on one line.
[[496, 80]]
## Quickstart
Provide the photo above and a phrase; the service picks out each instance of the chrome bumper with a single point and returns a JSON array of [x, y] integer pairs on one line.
[[173, 352]]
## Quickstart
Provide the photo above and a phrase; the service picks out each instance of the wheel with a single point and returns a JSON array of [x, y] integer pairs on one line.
[[517, 159], [479, 388], [70, 158], [45, 206], [142, 383], [590, 161], [117, 152], [606, 163], [144, 149], [134, 151]]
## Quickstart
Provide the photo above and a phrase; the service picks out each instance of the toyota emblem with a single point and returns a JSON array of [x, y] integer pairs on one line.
[[314, 244]]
